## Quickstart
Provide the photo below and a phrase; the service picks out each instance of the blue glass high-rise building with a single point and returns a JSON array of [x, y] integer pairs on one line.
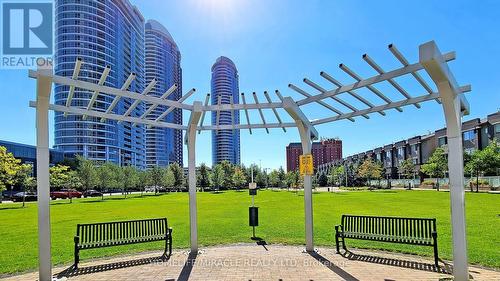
[[163, 62], [102, 33], [225, 86]]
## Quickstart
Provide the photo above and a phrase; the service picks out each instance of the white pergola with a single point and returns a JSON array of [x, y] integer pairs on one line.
[[449, 93]]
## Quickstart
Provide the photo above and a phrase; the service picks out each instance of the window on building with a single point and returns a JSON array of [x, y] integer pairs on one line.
[[414, 149], [496, 131], [442, 141], [469, 141], [401, 152]]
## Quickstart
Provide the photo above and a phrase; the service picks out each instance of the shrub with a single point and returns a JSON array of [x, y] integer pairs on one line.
[[428, 182]]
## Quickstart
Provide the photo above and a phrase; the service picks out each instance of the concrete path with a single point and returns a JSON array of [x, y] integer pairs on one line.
[[261, 262]]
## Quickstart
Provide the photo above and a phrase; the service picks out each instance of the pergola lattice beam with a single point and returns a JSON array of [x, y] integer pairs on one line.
[[322, 103], [370, 87], [399, 56], [154, 106], [107, 90], [411, 68], [246, 113], [76, 71], [207, 98], [260, 111], [104, 75], [395, 84], [124, 87], [274, 110], [392, 105], [111, 116]]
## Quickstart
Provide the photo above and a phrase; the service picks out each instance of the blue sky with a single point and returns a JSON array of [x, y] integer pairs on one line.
[[274, 43]]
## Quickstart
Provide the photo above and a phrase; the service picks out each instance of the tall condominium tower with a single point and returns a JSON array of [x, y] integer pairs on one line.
[[225, 143], [163, 62], [102, 33]]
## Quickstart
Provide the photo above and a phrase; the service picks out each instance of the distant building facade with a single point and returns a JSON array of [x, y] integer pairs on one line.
[[27, 153], [163, 63], [324, 151], [225, 89], [101, 33], [476, 134]]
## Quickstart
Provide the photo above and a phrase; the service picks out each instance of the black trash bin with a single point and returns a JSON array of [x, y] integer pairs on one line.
[[253, 216]]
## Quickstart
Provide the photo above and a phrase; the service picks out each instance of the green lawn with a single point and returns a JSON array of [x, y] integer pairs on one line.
[[223, 218]]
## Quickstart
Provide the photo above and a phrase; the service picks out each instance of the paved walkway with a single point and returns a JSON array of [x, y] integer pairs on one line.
[[262, 262]]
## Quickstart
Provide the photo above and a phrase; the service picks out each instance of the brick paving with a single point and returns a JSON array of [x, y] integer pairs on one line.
[[250, 262]]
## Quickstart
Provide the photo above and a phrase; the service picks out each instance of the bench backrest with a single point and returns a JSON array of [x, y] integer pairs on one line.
[[121, 230], [420, 228]]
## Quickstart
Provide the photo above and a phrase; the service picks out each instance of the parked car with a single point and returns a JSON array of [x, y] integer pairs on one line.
[[65, 193], [92, 193], [7, 194], [28, 196]]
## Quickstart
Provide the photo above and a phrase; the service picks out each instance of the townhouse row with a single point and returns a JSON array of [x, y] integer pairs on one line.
[[477, 134]]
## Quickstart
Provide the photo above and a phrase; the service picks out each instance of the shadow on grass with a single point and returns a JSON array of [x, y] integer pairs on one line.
[[72, 271], [446, 268], [94, 201], [121, 197], [60, 202], [338, 193], [217, 192], [5, 206]]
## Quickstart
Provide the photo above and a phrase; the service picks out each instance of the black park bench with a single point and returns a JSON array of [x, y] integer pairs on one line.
[[107, 234], [413, 231]]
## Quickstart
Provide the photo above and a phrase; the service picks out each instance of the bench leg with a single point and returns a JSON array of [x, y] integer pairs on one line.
[[343, 244], [337, 243], [77, 257], [436, 258], [168, 245], [165, 255], [337, 239]]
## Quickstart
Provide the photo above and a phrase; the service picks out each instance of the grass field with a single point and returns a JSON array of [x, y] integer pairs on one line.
[[223, 219]]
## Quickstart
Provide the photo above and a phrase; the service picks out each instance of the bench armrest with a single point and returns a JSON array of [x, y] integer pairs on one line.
[[339, 228], [76, 239], [434, 234], [169, 232]]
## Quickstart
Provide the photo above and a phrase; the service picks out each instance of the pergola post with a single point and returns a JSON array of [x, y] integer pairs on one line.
[[454, 105], [43, 89], [307, 133], [191, 146]]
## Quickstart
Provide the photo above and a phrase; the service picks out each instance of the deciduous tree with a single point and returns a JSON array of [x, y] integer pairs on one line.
[[86, 172], [155, 177], [370, 170], [178, 174], [217, 177], [238, 178], [130, 178], [9, 167], [203, 177], [436, 166], [168, 179], [484, 161]]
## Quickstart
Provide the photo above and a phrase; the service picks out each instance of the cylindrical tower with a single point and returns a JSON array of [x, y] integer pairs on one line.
[[225, 86], [163, 63]]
